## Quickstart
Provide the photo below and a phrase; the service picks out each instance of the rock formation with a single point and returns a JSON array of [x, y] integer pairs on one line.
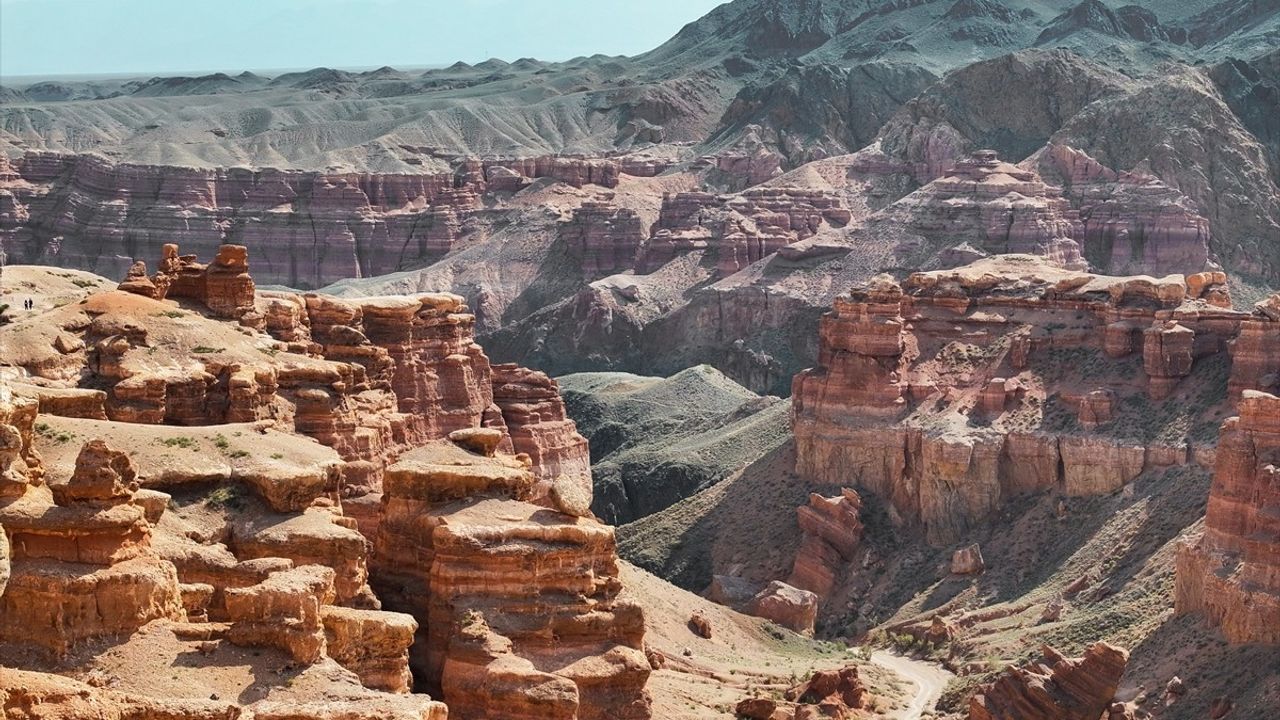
[[832, 530], [492, 578], [1129, 223], [83, 566], [534, 414], [247, 533], [938, 394], [996, 207], [738, 229], [369, 377], [1230, 574], [606, 239], [309, 228], [1054, 687]]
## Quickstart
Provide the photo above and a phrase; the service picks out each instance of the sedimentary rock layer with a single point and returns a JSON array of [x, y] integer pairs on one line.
[[936, 394], [1230, 574]]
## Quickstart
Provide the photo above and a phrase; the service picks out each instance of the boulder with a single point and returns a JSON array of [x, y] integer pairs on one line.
[[787, 606], [967, 560]]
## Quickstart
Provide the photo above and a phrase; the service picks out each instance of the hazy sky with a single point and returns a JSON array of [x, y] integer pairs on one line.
[[56, 37]]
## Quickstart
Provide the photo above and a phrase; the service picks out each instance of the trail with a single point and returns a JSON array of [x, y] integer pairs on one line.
[[928, 678]]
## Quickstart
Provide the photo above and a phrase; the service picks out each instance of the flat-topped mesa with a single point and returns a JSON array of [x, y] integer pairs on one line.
[[955, 389], [739, 229], [1231, 573], [82, 564], [606, 239], [997, 207], [517, 605], [1054, 688]]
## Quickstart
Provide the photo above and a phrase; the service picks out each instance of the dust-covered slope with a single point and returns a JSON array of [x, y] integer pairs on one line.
[[657, 440], [722, 80]]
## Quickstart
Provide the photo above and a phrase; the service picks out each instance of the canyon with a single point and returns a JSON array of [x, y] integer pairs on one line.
[[347, 496], [827, 345]]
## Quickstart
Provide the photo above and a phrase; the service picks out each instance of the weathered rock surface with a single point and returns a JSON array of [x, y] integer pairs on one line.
[[82, 564], [938, 394], [489, 577], [832, 530], [364, 224], [1230, 574], [738, 229], [1055, 687], [787, 606]]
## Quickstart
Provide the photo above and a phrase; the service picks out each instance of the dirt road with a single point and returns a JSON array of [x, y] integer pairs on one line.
[[929, 680]]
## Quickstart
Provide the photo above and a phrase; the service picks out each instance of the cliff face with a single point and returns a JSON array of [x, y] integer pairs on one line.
[[368, 377], [1230, 574], [482, 578], [247, 532], [739, 229], [957, 389], [306, 229]]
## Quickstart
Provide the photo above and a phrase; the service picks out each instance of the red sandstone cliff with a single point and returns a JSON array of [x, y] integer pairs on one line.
[[1230, 574], [247, 533], [946, 394]]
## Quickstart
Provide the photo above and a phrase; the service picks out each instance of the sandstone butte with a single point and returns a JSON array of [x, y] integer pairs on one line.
[[954, 391], [351, 485]]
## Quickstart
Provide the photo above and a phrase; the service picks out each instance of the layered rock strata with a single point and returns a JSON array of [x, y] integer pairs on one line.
[[996, 207], [308, 228], [937, 394], [739, 229], [1127, 222], [508, 595], [1054, 688], [606, 239], [83, 566], [832, 531], [539, 427], [1230, 574], [368, 377]]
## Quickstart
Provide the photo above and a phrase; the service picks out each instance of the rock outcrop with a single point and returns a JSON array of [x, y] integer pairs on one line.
[[738, 229], [832, 530], [534, 414], [82, 565], [606, 239], [308, 229], [996, 207], [492, 578], [1055, 687], [1230, 574], [946, 394]]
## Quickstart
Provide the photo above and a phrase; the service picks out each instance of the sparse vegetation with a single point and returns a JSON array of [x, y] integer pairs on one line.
[[181, 441], [205, 349], [58, 436], [225, 496]]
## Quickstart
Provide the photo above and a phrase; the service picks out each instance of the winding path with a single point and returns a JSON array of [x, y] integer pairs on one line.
[[928, 678]]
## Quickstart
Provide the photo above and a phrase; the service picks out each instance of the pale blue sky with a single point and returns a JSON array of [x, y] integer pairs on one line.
[[61, 37]]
